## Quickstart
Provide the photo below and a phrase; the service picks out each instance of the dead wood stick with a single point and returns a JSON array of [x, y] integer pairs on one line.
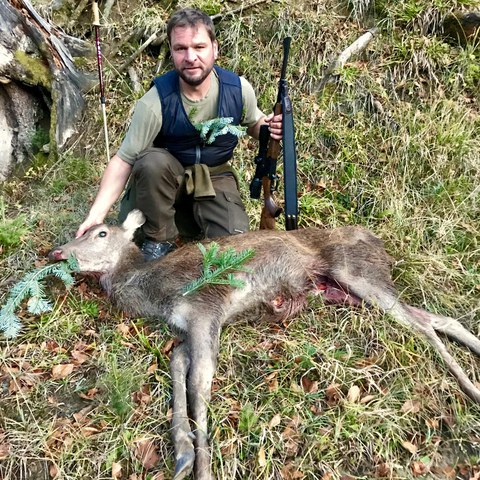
[[107, 9], [355, 48], [157, 36], [236, 10]]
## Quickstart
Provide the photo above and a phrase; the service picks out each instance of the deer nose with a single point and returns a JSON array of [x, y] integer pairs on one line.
[[56, 255]]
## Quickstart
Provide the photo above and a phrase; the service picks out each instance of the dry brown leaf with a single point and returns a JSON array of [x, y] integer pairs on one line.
[[146, 452], [116, 470], [262, 460], [410, 406], [62, 371], [79, 357], [53, 471], [383, 470], [4, 450], [309, 386], [410, 447], [333, 393], [290, 472], [419, 468], [275, 421], [367, 398], [90, 394], [327, 476], [152, 368], [123, 329], [353, 394], [448, 472], [89, 431], [272, 381]]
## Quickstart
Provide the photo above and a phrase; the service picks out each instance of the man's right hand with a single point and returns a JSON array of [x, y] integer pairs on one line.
[[88, 223], [113, 182]]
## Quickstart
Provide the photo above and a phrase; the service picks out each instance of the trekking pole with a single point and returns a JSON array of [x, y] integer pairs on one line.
[[96, 23]]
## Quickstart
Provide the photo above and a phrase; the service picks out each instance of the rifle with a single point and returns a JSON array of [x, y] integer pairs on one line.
[[265, 177]]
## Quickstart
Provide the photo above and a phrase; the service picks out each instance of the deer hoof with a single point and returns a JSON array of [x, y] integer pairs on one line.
[[184, 464]]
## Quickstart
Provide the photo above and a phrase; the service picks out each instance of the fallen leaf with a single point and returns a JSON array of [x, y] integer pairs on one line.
[[410, 447], [262, 461], [290, 472], [116, 470], [62, 371], [333, 394], [53, 471], [275, 421], [353, 394], [383, 470], [90, 394], [449, 472], [79, 357], [419, 468], [146, 453], [4, 450], [410, 406], [309, 386], [152, 368], [89, 431], [123, 329]]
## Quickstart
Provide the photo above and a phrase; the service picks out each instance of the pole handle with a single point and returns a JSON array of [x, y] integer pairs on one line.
[[96, 14]]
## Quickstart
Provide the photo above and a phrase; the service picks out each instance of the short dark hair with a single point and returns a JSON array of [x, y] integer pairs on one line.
[[190, 17]]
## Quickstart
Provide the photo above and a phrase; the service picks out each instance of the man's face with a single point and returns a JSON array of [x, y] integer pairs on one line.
[[193, 53]]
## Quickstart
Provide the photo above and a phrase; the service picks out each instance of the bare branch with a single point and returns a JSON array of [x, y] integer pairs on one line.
[[158, 37], [355, 48]]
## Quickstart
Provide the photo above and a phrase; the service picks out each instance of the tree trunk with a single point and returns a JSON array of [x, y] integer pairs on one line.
[[41, 91]]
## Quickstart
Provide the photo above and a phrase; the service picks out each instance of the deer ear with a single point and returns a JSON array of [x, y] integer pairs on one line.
[[134, 220]]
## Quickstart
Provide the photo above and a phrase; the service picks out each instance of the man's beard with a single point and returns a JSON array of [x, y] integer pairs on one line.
[[194, 82]]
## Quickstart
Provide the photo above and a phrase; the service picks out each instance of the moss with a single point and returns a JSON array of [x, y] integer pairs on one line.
[[38, 73]]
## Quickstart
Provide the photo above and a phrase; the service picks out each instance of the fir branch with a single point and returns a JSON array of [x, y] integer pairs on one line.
[[31, 288], [211, 129], [218, 267]]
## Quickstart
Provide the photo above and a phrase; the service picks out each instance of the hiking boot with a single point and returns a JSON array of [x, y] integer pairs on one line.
[[153, 250]]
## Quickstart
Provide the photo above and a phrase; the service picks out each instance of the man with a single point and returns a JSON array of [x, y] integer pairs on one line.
[[181, 183]]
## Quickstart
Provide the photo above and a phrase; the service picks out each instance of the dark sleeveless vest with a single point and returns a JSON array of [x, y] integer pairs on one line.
[[180, 137]]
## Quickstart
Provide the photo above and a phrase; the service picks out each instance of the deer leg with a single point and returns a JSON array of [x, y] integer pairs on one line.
[[181, 431], [450, 327], [424, 323], [203, 343]]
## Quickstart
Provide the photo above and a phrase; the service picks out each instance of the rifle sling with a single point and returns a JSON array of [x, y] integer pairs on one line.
[[289, 165]]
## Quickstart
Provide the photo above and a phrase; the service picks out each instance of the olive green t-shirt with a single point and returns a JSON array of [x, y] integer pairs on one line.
[[147, 117]]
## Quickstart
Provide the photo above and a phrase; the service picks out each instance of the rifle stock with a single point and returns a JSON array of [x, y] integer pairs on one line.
[[271, 210]]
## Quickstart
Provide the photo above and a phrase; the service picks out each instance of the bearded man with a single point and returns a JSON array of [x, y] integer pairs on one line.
[[185, 186]]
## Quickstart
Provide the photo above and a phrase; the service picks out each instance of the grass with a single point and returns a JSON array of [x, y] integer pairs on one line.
[[391, 144]]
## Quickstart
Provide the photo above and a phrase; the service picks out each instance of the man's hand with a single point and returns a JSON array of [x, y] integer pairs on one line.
[[274, 123], [113, 182], [86, 225]]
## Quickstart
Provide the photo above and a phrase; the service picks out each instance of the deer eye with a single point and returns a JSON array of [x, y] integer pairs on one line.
[[102, 234]]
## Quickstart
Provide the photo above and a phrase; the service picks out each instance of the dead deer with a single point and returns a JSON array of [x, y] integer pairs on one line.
[[344, 265]]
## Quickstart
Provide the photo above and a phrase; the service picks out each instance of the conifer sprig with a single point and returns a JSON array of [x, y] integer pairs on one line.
[[211, 129], [31, 287], [218, 267]]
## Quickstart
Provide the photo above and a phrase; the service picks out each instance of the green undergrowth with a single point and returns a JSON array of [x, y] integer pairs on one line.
[[392, 144]]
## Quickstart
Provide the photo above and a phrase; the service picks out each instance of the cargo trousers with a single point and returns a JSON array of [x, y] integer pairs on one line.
[[158, 187]]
